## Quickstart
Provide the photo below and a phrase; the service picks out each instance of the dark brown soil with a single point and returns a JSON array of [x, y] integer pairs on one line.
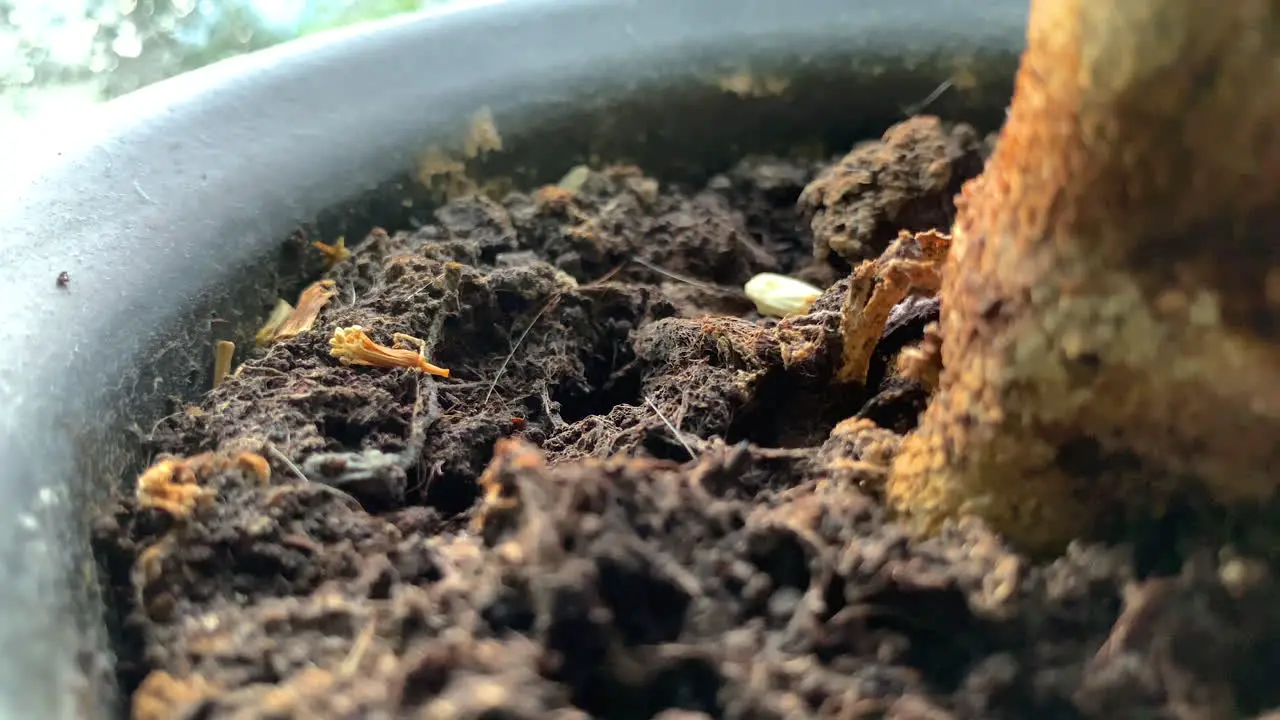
[[635, 497]]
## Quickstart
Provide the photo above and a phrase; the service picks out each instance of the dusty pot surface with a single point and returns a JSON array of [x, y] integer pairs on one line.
[[168, 207]]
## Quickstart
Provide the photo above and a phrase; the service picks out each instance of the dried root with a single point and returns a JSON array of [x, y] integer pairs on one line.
[[910, 264], [1110, 316]]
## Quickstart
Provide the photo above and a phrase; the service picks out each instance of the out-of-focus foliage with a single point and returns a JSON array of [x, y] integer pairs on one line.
[[170, 41], [104, 48], [327, 14]]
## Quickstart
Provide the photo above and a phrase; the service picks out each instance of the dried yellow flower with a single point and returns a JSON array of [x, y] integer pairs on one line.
[[174, 484], [353, 347], [335, 253]]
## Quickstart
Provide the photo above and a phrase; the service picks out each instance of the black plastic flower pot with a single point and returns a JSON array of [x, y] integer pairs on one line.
[[159, 225]]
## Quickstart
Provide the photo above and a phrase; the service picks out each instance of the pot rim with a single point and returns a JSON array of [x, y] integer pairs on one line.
[[152, 202]]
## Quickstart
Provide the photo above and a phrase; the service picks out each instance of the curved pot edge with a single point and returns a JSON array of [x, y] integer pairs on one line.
[[184, 180]]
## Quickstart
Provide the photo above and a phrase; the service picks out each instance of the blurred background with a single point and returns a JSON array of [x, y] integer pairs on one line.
[[59, 55]]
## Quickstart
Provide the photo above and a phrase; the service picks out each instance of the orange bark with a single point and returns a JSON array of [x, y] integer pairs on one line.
[[1111, 300]]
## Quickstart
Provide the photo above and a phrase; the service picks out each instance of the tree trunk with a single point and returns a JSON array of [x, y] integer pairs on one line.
[[1111, 300]]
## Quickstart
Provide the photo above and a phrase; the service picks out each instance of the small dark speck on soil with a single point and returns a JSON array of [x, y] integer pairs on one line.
[[531, 538]]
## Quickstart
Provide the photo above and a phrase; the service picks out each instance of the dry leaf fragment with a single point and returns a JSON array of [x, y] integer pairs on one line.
[[277, 317], [333, 254], [286, 321], [353, 347], [310, 303]]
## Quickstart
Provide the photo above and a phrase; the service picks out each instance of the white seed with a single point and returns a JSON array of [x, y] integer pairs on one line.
[[779, 295]]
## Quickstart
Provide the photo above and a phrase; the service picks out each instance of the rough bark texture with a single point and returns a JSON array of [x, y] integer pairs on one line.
[[1111, 302]]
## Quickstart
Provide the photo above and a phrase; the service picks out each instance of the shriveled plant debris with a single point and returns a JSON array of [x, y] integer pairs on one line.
[[543, 458]]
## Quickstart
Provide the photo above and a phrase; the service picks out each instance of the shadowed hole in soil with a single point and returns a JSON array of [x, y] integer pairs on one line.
[[662, 444], [424, 682], [349, 435], [612, 379], [945, 637], [784, 416], [781, 555], [691, 684], [647, 609]]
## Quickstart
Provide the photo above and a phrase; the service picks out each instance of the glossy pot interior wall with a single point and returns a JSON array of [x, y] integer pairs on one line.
[[171, 205]]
